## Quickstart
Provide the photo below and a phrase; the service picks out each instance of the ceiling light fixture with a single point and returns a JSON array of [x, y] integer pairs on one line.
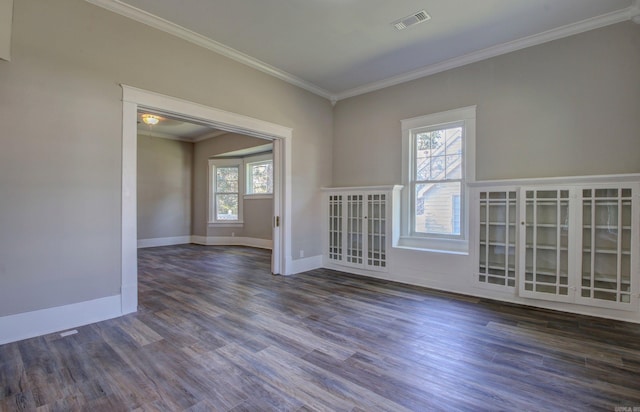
[[150, 119]]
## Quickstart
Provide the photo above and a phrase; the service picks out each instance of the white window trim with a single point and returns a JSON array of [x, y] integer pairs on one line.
[[440, 244], [255, 159], [213, 163]]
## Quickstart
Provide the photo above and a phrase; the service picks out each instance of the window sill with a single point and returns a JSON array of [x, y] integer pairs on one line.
[[226, 224], [258, 196], [433, 245]]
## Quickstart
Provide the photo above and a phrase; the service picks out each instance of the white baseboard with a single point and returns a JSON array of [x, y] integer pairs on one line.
[[41, 322], [199, 240], [302, 265], [163, 241], [232, 241]]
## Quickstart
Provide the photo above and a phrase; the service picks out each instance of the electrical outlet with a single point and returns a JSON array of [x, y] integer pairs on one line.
[[233, 234], [301, 253]]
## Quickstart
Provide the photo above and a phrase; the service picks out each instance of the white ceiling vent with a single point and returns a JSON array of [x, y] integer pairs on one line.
[[411, 20]]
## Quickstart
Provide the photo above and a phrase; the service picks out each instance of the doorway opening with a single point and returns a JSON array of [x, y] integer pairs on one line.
[[136, 99], [201, 185]]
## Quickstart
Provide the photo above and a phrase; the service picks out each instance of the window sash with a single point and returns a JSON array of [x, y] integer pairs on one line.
[[221, 216], [227, 195], [415, 181], [461, 217], [227, 187], [250, 178], [443, 153], [217, 180]]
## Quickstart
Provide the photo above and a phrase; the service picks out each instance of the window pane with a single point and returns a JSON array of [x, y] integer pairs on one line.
[[437, 168], [430, 142], [261, 177], [227, 179], [227, 207], [454, 166], [439, 154], [453, 139], [423, 165], [438, 208]]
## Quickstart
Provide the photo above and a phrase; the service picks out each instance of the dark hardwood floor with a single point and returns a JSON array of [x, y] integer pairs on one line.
[[216, 331]]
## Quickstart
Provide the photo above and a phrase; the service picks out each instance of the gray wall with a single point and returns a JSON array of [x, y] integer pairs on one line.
[[257, 218], [564, 108], [60, 176], [164, 187], [6, 7]]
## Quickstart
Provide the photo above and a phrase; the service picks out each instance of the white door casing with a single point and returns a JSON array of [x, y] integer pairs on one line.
[[132, 99]]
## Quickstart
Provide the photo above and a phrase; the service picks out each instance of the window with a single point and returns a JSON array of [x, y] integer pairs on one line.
[[260, 176], [227, 192], [225, 205], [438, 161], [234, 179]]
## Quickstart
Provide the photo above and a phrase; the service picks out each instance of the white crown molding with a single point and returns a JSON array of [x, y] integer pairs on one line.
[[156, 22], [565, 31], [630, 13]]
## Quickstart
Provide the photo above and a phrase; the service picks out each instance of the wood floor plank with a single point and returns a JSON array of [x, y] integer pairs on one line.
[[215, 331], [269, 369]]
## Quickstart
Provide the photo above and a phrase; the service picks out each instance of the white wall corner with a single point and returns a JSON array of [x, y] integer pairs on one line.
[[41, 322], [303, 265]]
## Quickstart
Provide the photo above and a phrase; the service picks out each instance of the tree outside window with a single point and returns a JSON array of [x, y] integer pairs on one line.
[[260, 177], [227, 193]]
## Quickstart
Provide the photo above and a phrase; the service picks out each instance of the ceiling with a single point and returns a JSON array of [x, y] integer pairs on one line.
[[342, 48], [175, 128]]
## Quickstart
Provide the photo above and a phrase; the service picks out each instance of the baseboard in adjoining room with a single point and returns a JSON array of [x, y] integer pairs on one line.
[[164, 241], [232, 241], [206, 240]]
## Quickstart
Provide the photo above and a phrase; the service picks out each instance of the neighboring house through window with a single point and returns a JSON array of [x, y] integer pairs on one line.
[[438, 161]]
